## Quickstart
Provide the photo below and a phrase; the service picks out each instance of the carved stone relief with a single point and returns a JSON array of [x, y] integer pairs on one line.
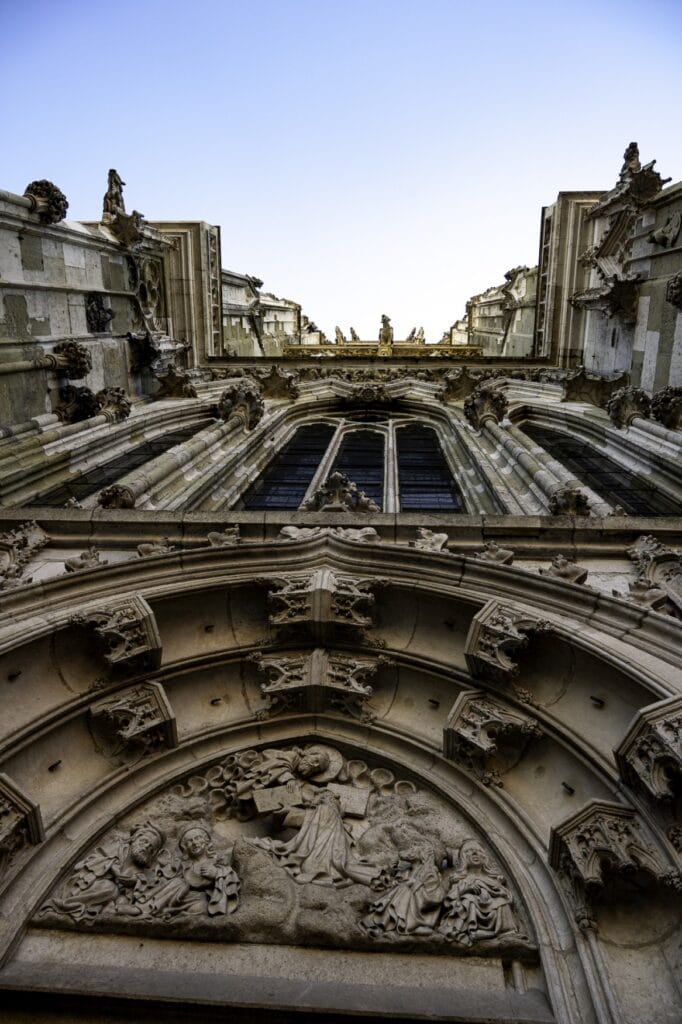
[[72, 359], [492, 552], [581, 386], [600, 839], [666, 236], [563, 568], [175, 384], [427, 540], [155, 548], [17, 548], [80, 403], [660, 567], [138, 720], [126, 634], [97, 315], [650, 755], [227, 538], [277, 383], [116, 496], [666, 407], [627, 404], [339, 494], [297, 845], [673, 291], [242, 402], [362, 535], [569, 500], [498, 633], [90, 559], [474, 725], [20, 823], [322, 604], [318, 681]]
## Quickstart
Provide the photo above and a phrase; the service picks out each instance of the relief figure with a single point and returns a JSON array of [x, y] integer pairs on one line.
[[204, 882], [478, 904], [412, 904]]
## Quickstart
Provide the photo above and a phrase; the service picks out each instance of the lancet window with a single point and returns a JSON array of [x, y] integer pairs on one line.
[[397, 462], [611, 481]]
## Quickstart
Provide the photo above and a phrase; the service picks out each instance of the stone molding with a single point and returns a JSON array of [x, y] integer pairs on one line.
[[498, 633], [126, 633], [474, 723], [20, 822], [139, 719], [318, 681], [650, 755]]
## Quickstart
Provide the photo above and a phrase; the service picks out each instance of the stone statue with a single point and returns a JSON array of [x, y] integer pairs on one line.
[[386, 332], [419, 336], [565, 569], [203, 882], [478, 904], [89, 559], [113, 197], [116, 876], [322, 851], [411, 905], [354, 335], [339, 335]]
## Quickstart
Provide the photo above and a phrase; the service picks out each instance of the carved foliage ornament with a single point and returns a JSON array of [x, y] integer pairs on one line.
[[357, 535], [17, 548], [474, 725], [49, 202], [72, 359], [660, 566], [666, 407], [339, 494], [485, 403], [673, 291], [336, 851], [626, 404], [80, 403], [569, 500], [322, 603], [242, 402], [20, 823]]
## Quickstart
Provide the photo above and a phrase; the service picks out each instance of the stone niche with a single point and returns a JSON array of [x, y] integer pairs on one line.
[[298, 846]]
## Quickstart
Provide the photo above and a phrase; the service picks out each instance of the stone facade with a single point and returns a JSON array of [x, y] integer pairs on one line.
[[338, 680]]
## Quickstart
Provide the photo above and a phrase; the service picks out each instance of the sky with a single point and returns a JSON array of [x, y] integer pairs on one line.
[[361, 156]]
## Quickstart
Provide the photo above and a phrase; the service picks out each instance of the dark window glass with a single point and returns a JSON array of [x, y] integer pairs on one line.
[[424, 480], [109, 472], [287, 478], [361, 458], [614, 483]]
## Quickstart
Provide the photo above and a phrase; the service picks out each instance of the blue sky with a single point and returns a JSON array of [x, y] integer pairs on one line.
[[360, 157]]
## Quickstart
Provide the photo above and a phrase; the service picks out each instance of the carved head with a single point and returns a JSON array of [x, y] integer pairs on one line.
[[311, 762], [194, 841], [145, 842], [472, 855]]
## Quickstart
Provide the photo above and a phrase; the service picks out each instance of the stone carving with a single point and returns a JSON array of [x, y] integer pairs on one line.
[[155, 548], [354, 335], [155, 351], [227, 538], [20, 823], [492, 552], [138, 720], [17, 548], [473, 727], [485, 403], [582, 386], [295, 845], [626, 404], [603, 835], [563, 568], [339, 336], [175, 384], [339, 494], [616, 296], [667, 235], [49, 202], [114, 404], [322, 603], [116, 496], [642, 592], [427, 540], [317, 682], [385, 333], [113, 197], [478, 904], [673, 291], [97, 315], [277, 383], [72, 359], [498, 633], [365, 393], [666, 407], [242, 402], [362, 535], [660, 567], [126, 633], [126, 227], [569, 500], [76, 404], [90, 559], [650, 755]]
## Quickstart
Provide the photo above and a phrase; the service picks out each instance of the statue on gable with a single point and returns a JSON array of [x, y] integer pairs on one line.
[[113, 197]]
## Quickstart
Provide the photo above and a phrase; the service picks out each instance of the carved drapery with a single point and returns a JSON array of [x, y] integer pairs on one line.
[[650, 755]]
